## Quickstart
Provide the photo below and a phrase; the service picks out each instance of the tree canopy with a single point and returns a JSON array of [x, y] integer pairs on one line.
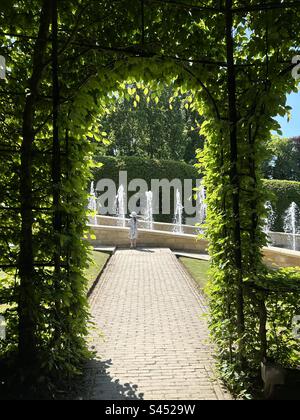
[[145, 124], [284, 159]]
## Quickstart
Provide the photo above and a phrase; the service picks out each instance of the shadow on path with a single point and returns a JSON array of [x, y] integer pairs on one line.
[[97, 384], [144, 250]]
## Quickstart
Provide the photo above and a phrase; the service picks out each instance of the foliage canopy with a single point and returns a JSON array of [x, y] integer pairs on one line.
[[235, 59]]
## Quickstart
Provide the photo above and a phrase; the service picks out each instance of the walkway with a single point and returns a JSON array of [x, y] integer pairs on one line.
[[154, 342]]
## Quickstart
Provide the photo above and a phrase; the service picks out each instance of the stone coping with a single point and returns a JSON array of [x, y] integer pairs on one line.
[[283, 251], [281, 257], [150, 232], [112, 221]]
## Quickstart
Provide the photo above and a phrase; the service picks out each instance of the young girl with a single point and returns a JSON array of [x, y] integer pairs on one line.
[[133, 232]]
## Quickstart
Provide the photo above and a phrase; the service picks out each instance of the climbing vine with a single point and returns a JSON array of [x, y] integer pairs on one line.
[[236, 194], [64, 60]]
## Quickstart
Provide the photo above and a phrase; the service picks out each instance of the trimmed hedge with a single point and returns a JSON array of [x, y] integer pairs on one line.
[[283, 193], [145, 168]]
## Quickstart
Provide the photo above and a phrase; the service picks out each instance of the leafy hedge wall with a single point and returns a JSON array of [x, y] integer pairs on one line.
[[146, 169], [283, 193]]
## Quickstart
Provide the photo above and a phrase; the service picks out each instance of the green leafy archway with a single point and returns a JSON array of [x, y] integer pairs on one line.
[[235, 58]]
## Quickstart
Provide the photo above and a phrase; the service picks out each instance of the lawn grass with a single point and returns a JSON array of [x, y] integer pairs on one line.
[[198, 269], [99, 259]]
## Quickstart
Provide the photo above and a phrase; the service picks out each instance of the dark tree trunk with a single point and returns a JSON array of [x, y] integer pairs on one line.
[[252, 172], [234, 175], [56, 155], [56, 167], [263, 317], [28, 301]]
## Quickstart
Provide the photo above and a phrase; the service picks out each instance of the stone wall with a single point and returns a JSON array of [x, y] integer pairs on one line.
[[283, 240], [118, 236], [165, 227], [279, 257], [277, 239]]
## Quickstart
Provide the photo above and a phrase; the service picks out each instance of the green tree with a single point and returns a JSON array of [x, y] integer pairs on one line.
[[284, 161], [146, 125]]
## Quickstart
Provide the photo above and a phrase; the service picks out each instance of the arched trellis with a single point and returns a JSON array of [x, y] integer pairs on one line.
[[227, 147]]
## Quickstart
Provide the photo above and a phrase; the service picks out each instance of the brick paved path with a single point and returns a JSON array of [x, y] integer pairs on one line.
[[155, 338]]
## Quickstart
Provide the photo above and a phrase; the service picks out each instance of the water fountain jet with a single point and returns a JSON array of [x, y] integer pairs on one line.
[[202, 206], [268, 221], [149, 210], [290, 224], [178, 214], [92, 205], [120, 206]]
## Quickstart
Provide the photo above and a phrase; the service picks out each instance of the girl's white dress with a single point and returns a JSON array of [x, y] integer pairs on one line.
[[133, 232]]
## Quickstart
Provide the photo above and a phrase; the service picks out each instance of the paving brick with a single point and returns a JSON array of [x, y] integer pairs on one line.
[[155, 342]]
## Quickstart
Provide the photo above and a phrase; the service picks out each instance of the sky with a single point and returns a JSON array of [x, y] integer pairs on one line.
[[291, 128]]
